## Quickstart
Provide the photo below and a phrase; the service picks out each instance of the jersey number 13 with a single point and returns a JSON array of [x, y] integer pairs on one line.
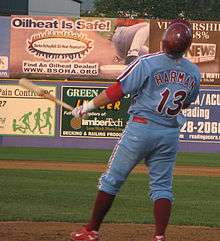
[[177, 101]]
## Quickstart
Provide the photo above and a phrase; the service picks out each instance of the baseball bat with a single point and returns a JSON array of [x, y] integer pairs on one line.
[[27, 84]]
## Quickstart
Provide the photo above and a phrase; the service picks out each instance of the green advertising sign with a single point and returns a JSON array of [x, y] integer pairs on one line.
[[106, 122]]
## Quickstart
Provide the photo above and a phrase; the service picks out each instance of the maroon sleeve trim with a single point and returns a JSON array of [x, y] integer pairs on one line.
[[114, 92]]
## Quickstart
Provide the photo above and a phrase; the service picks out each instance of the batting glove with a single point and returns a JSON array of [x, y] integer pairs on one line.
[[82, 110], [78, 112]]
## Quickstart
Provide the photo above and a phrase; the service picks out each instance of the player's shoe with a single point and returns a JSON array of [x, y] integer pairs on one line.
[[84, 235], [130, 59], [159, 238]]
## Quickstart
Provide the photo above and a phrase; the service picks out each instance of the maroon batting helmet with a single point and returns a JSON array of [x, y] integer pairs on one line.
[[177, 38]]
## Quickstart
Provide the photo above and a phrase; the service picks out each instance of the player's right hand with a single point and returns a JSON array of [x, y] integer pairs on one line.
[[79, 112], [82, 110]]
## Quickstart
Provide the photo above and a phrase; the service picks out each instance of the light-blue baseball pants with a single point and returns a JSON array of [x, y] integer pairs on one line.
[[154, 143]]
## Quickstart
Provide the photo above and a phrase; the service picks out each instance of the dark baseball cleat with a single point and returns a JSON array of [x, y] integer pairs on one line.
[[130, 59], [84, 235]]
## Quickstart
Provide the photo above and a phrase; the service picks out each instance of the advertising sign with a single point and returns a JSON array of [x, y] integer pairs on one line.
[[24, 113], [204, 50], [69, 48], [203, 122], [4, 46], [106, 122]]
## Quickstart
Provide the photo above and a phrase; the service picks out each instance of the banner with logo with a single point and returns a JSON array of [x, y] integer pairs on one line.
[[204, 51], [203, 122], [23, 113], [4, 46], [70, 48], [24, 118], [106, 122]]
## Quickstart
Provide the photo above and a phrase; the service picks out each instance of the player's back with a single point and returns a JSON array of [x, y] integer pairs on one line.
[[169, 84]]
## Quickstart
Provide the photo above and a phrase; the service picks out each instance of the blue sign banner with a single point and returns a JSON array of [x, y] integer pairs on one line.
[[4, 46], [203, 118], [200, 134]]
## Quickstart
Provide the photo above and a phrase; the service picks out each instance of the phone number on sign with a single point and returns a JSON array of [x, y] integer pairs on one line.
[[201, 127], [3, 103]]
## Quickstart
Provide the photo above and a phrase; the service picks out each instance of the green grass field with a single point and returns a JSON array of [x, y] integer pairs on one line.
[[40, 195], [68, 196], [95, 156]]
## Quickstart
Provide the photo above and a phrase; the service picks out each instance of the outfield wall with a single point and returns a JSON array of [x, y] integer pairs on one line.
[[75, 60]]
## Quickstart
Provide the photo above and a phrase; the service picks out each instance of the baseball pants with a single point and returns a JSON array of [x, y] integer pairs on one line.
[[154, 143]]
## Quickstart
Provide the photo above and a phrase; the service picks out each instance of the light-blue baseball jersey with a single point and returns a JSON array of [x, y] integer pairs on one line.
[[160, 86]]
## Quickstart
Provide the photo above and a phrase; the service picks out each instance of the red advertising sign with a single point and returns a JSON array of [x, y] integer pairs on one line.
[[70, 48]]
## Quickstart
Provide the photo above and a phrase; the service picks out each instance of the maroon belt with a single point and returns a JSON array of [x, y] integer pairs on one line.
[[140, 119]]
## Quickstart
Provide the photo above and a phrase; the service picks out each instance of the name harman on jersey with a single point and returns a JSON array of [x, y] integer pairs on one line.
[[173, 77]]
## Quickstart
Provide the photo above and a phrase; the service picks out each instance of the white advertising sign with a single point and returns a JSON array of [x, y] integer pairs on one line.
[[24, 113]]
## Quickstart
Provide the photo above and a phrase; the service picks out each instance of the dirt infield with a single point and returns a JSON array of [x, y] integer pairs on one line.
[[52, 231], [38, 165], [59, 231]]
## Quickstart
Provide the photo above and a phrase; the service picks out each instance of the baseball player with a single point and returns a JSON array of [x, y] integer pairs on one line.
[[131, 39], [164, 84]]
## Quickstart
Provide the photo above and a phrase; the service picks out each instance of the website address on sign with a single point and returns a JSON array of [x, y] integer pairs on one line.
[[204, 137]]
